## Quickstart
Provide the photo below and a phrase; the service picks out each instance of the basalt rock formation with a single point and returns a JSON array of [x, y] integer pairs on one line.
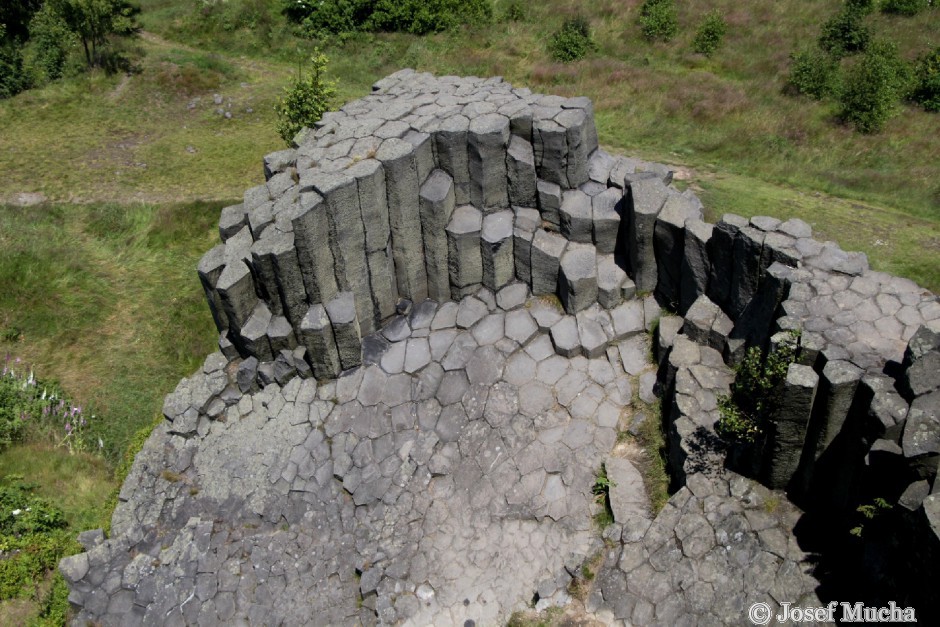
[[403, 424]]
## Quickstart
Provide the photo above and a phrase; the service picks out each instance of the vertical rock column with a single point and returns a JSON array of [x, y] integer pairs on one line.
[[450, 143], [580, 139], [669, 246], [606, 217], [721, 253], [520, 170], [342, 314], [276, 257], [577, 219], [821, 456], [547, 250], [437, 207], [788, 426], [745, 269], [525, 224], [210, 269], [373, 201], [644, 199], [577, 282], [401, 182], [465, 260], [312, 236], [496, 241], [347, 238], [551, 152], [487, 141], [696, 265], [316, 335]]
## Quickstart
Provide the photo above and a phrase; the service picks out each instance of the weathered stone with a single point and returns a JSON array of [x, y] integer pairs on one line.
[[488, 137], [497, 248], [789, 424], [465, 260], [316, 334], [342, 313], [607, 209], [524, 226], [549, 140], [450, 142], [311, 233], [402, 188], [549, 198], [576, 217], [577, 279], [696, 265], [437, 208], [520, 170], [610, 281], [721, 253], [669, 246], [643, 200], [547, 251]]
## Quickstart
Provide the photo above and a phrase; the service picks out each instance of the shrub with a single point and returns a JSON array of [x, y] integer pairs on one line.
[[844, 33], [814, 73], [573, 41], [873, 87], [926, 91], [413, 16], [514, 12], [753, 394], [50, 40], [659, 20], [306, 99], [710, 33], [904, 7], [13, 79]]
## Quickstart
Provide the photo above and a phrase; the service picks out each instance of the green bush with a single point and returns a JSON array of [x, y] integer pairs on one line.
[[873, 87], [710, 33], [514, 12], [813, 73], [659, 20], [419, 17], [844, 33], [306, 99], [573, 41], [754, 393], [13, 78], [926, 90], [904, 7], [33, 538], [49, 43]]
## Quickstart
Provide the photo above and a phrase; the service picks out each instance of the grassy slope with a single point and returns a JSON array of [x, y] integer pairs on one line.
[[107, 301]]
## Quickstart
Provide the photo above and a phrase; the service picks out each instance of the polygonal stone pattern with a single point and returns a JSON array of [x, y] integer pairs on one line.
[[443, 481]]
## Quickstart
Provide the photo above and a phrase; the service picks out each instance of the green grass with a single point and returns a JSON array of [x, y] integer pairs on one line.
[[113, 280]]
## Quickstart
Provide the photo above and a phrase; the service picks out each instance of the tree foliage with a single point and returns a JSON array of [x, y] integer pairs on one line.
[[873, 87], [319, 17], [659, 20], [95, 22], [845, 32], [710, 33], [926, 91], [306, 99], [573, 41]]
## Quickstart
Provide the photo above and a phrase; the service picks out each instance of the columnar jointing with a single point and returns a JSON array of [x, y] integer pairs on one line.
[[415, 192], [462, 189], [431, 188]]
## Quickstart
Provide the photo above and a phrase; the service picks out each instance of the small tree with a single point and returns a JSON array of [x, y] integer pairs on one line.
[[573, 41], [13, 79], [49, 39], [813, 73], [710, 33], [927, 81], [96, 21], [844, 33], [659, 20], [904, 7], [305, 99], [873, 87]]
